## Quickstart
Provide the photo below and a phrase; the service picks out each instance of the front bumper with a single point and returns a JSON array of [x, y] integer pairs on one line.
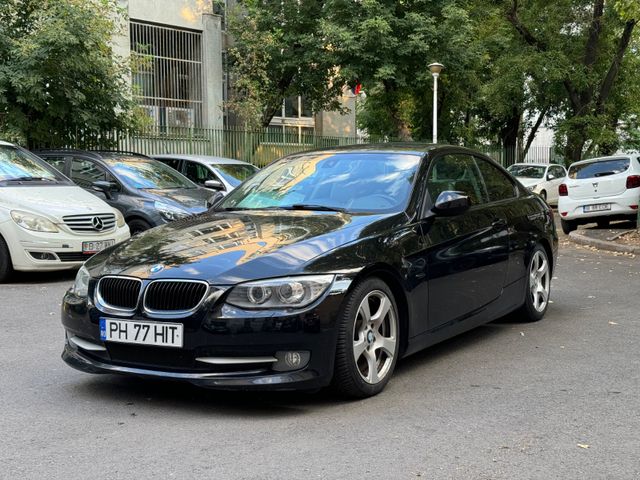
[[214, 331], [64, 247]]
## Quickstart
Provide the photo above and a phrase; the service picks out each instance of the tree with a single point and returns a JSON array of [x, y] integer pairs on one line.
[[586, 42], [59, 80], [278, 51]]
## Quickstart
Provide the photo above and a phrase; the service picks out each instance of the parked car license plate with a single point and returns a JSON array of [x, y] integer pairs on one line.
[[141, 333], [597, 208], [97, 245]]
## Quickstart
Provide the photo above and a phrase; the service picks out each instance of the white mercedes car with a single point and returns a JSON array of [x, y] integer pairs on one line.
[[46, 221], [600, 190], [541, 178]]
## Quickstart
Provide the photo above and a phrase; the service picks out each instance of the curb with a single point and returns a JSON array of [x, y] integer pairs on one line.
[[602, 244]]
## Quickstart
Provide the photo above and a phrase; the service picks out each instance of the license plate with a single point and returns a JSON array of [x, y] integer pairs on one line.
[[97, 245], [141, 333], [597, 208]]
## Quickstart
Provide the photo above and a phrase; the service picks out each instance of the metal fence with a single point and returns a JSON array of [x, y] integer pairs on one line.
[[259, 147]]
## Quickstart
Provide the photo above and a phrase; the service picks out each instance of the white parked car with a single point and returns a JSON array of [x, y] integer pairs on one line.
[[215, 173], [541, 178], [600, 190], [46, 221]]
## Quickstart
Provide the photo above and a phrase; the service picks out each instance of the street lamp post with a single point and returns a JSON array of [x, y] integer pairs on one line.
[[435, 69]]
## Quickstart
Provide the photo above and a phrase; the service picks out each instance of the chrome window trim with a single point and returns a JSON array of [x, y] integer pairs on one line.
[[105, 307], [174, 313]]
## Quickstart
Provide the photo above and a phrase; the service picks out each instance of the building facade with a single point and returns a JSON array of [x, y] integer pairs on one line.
[[176, 49]]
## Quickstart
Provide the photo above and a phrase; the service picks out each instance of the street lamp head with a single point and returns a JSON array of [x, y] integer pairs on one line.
[[435, 68]]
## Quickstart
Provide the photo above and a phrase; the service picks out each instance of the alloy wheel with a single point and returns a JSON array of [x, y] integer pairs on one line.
[[375, 336], [539, 281]]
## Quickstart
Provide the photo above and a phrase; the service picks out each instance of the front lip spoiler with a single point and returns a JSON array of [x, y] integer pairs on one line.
[[247, 379]]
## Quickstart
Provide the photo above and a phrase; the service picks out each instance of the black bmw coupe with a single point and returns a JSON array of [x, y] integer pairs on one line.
[[324, 268]]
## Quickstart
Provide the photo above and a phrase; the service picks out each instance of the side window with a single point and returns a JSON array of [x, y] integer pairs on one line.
[[499, 186], [85, 172], [56, 162], [457, 173], [559, 172], [197, 173], [172, 162]]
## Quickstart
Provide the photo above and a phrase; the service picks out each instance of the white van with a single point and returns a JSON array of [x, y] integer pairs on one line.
[[46, 221], [600, 190]]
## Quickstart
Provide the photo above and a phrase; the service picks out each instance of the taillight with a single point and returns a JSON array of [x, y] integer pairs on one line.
[[563, 191], [633, 181]]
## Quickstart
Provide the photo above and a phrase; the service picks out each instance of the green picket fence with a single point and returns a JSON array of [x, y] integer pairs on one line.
[[258, 147]]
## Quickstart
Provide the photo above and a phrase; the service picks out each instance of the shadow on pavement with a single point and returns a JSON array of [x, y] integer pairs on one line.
[[19, 278]]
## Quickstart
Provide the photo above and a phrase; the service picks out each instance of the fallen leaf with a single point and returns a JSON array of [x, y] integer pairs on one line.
[[613, 323], [522, 334], [583, 445]]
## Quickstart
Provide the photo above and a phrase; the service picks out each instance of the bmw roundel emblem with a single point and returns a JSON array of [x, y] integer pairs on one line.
[[156, 268]]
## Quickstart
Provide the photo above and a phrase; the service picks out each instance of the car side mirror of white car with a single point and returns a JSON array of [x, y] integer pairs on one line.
[[551, 176], [214, 184]]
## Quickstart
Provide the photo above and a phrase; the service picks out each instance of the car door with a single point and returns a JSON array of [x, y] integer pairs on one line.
[[558, 173], [467, 254]]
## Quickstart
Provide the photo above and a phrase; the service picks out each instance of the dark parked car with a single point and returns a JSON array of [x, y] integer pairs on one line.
[[146, 191], [324, 267]]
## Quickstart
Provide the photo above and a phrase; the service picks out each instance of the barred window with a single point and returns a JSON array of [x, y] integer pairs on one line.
[[167, 73]]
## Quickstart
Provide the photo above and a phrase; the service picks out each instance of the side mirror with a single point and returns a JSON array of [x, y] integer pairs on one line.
[[450, 203], [215, 199], [105, 187], [213, 184], [551, 176]]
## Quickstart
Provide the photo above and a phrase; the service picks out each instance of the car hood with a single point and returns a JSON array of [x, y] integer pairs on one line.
[[194, 200], [229, 247], [52, 201], [529, 181]]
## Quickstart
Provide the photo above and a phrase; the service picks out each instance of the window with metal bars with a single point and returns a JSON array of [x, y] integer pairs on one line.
[[167, 73]]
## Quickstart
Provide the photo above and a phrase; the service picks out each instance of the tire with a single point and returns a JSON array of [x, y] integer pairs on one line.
[[604, 223], [543, 194], [6, 265], [137, 226], [538, 287], [568, 226], [360, 346]]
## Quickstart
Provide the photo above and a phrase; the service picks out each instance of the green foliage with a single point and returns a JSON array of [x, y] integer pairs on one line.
[[58, 77], [279, 51]]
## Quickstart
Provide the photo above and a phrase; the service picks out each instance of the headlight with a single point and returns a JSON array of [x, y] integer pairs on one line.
[[36, 223], [81, 285], [169, 212], [289, 292], [119, 218]]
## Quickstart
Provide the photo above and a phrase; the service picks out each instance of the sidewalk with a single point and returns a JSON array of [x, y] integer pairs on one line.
[[606, 238]]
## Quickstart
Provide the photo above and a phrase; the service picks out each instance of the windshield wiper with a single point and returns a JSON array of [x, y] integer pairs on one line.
[[309, 206], [30, 179]]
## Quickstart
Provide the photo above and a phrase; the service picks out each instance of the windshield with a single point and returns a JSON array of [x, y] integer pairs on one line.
[[527, 171], [234, 174], [600, 168], [18, 165], [146, 173], [357, 182]]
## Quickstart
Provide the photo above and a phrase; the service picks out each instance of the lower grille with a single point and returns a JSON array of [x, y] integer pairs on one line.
[[73, 256], [174, 295], [119, 292]]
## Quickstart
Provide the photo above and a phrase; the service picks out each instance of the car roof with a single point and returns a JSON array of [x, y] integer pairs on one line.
[[97, 154], [6, 144], [208, 159], [535, 164]]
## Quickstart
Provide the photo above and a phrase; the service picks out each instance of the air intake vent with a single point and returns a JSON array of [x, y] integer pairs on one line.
[[119, 292], [174, 295]]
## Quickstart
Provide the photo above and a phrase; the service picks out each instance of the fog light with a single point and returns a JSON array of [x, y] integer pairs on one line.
[[43, 256], [294, 360]]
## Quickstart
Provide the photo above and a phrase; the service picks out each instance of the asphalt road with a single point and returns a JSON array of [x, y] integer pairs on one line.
[[558, 399]]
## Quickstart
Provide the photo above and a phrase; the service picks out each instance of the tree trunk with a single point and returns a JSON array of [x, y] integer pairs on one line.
[[509, 137]]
